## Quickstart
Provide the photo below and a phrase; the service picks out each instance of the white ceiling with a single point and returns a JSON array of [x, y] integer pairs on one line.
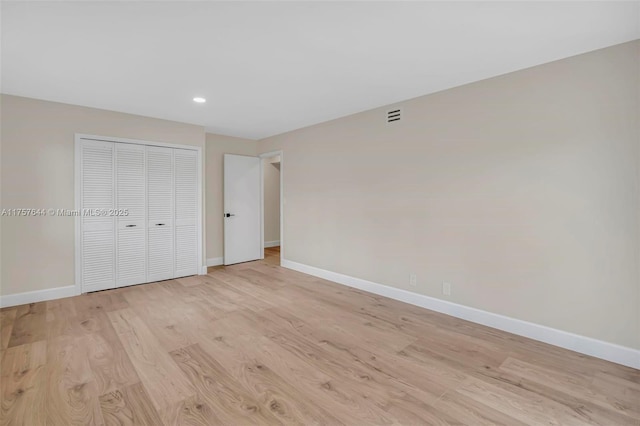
[[269, 67]]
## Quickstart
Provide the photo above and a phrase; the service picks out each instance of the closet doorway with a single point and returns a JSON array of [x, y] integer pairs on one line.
[[139, 212]]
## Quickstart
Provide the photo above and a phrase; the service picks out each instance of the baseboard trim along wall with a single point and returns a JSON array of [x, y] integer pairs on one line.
[[215, 261], [61, 292], [268, 244], [585, 345], [37, 296]]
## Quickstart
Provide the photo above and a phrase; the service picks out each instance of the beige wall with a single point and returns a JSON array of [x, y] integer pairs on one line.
[[522, 191], [271, 200], [37, 142], [216, 147]]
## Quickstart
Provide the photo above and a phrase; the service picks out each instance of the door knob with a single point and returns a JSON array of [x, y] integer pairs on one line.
[[228, 214]]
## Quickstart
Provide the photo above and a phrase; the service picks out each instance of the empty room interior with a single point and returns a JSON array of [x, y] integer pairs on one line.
[[320, 213]]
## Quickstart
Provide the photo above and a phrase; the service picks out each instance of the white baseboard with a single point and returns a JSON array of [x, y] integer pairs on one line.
[[271, 244], [215, 261], [37, 296], [585, 345]]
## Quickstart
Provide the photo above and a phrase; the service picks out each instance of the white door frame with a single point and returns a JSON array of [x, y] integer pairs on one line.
[[262, 157], [202, 269]]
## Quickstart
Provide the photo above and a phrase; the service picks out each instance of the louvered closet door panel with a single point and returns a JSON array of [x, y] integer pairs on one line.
[[186, 193], [98, 250], [130, 196], [160, 213], [161, 253], [97, 196]]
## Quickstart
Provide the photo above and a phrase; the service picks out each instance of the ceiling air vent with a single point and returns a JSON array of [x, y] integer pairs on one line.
[[394, 115]]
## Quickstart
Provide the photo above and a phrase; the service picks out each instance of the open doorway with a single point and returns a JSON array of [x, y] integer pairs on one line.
[[272, 206]]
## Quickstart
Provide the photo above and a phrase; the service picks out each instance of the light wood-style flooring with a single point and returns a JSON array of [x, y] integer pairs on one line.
[[259, 344]]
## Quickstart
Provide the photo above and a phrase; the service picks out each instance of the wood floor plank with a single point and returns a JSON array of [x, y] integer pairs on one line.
[[129, 406], [72, 390], [617, 393], [535, 404], [460, 352], [193, 411], [429, 380], [218, 303], [325, 390], [110, 364], [275, 394], [190, 281], [243, 285], [353, 386], [241, 297], [555, 358], [470, 412], [61, 318], [579, 386], [162, 378], [29, 324], [370, 389], [64, 307], [232, 403], [23, 383], [7, 317], [176, 311], [590, 410], [261, 279], [373, 334], [102, 301], [168, 329]]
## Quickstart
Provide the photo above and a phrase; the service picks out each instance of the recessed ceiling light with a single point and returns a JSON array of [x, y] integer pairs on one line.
[[199, 100]]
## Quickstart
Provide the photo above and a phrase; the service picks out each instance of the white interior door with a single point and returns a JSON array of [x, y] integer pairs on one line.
[[242, 198], [160, 214]]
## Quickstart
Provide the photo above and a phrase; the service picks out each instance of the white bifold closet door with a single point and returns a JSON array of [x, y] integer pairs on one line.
[[98, 245], [141, 220], [186, 217], [160, 214], [131, 229]]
